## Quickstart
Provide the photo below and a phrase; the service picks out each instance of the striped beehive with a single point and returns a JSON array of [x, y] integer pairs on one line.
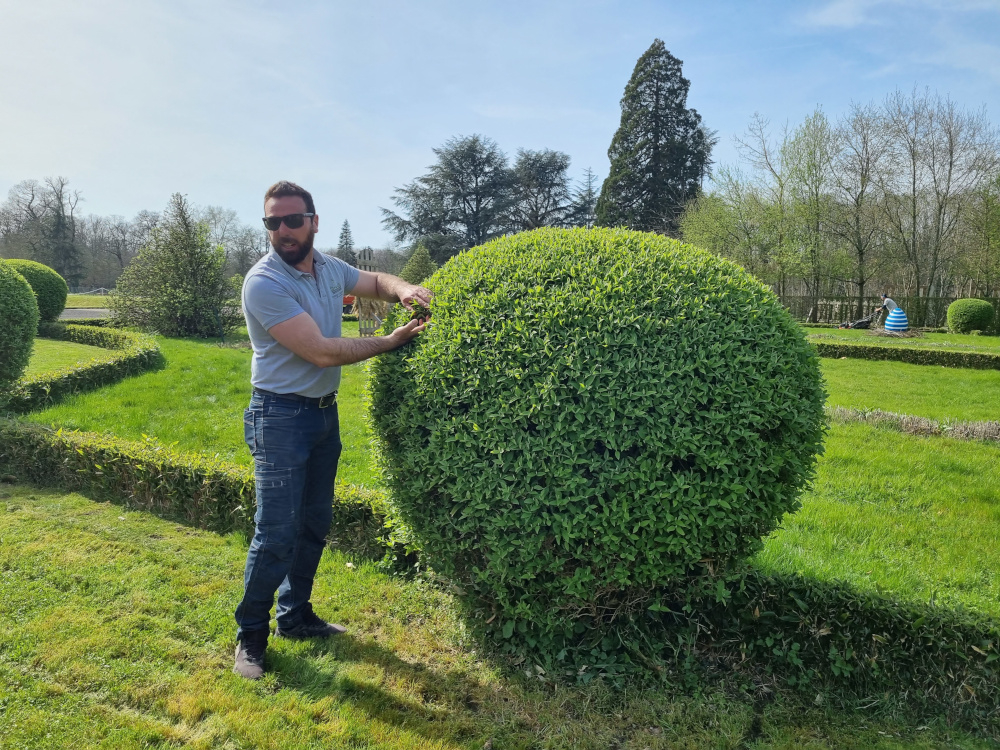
[[897, 321]]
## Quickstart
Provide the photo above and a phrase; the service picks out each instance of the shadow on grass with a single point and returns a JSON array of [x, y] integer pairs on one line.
[[442, 695]]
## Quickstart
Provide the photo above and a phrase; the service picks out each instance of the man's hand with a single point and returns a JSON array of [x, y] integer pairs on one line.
[[410, 294], [407, 332]]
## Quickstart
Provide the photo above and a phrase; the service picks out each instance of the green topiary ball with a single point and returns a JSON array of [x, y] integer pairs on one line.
[[593, 414], [19, 313], [49, 287], [965, 315]]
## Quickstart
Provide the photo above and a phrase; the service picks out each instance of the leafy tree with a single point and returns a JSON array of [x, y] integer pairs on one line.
[[541, 195], [177, 284], [419, 267], [661, 152], [583, 202], [463, 201]]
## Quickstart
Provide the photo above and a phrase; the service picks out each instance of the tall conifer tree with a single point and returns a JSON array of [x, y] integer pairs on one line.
[[345, 247], [661, 151]]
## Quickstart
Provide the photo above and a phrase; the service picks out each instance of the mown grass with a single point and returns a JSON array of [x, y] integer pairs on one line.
[[921, 390], [83, 301], [947, 341], [196, 402], [915, 518], [48, 355], [117, 632]]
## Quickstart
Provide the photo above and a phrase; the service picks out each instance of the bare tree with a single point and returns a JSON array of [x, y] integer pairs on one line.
[[39, 223], [770, 159], [855, 221], [941, 156]]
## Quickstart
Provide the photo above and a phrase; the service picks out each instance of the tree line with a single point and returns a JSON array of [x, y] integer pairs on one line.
[[42, 221], [901, 197]]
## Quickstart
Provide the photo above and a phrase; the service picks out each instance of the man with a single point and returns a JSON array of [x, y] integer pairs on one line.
[[293, 301], [887, 306]]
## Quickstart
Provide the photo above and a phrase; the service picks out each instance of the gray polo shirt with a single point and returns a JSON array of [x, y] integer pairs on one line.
[[274, 292]]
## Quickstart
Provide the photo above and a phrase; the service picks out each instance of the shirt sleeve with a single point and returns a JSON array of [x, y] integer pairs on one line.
[[268, 301], [349, 275]]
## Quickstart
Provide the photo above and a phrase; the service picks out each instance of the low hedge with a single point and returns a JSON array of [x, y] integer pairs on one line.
[[134, 353], [770, 629], [200, 490], [93, 322], [912, 355]]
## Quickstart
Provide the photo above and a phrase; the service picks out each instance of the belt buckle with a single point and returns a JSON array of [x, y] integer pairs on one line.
[[328, 400]]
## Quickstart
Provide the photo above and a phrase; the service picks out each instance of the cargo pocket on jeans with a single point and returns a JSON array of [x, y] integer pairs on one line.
[[274, 500], [250, 431]]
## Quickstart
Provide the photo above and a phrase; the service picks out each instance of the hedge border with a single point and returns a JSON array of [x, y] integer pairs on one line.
[[782, 629], [134, 353], [199, 490], [89, 322], [911, 355]]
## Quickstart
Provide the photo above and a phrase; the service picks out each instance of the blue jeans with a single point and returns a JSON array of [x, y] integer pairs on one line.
[[296, 447]]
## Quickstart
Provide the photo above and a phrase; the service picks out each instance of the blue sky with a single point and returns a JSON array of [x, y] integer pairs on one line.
[[133, 100]]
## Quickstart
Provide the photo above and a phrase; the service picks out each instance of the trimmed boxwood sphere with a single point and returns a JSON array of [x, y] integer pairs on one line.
[[591, 415], [19, 313], [49, 287], [966, 315]]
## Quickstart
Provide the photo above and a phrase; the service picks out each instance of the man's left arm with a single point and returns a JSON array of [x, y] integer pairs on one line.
[[389, 288]]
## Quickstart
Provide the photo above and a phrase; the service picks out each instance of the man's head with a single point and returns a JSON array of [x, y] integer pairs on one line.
[[286, 199], [882, 295]]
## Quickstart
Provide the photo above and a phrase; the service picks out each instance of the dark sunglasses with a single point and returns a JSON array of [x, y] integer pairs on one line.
[[292, 221]]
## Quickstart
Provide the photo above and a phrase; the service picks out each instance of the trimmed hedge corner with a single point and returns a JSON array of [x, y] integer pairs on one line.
[[134, 353], [197, 489], [968, 315], [912, 355]]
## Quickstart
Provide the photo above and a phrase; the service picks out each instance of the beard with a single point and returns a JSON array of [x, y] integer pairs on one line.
[[293, 253]]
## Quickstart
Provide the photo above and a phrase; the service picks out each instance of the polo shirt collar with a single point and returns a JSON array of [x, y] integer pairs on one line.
[[318, 260]]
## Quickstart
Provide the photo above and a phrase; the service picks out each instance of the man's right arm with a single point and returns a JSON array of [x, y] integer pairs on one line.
[[302, 336]]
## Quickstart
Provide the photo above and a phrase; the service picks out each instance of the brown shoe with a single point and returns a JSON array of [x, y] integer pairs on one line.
[[250, 655]]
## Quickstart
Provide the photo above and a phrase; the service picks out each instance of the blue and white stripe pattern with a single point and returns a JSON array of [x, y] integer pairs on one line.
[[897, 321]]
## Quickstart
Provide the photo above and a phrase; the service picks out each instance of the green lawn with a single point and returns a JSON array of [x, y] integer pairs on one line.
[[197, 403], [48, 355], [914, 517], [947, 341], [921, 390], [81, 301], [116, 632]]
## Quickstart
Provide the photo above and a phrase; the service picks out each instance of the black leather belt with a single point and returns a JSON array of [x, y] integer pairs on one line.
[[321, 401]]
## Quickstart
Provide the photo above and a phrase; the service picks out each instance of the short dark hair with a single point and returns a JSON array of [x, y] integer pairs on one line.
[[284, 188]]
